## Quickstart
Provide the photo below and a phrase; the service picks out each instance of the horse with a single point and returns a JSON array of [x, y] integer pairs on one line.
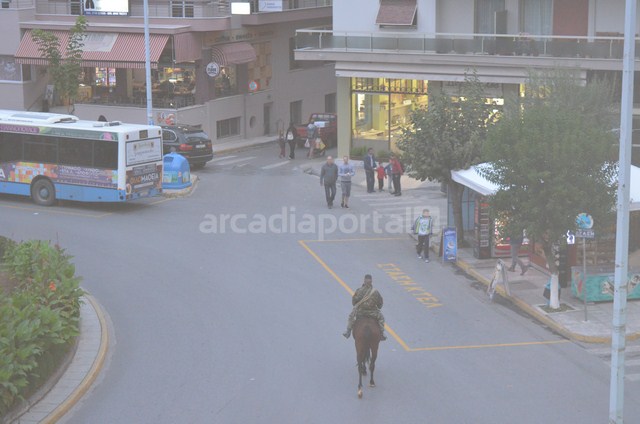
[[366, 333]]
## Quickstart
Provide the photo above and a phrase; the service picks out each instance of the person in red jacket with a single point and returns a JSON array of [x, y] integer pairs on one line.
[[381, 176], [396, 173]]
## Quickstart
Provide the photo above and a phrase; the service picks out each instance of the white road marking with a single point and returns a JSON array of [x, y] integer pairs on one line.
[[275, 165], [222, 158]]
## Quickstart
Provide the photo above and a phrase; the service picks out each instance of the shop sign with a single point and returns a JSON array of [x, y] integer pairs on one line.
[[585, 233], [270, 5], [212, 69]]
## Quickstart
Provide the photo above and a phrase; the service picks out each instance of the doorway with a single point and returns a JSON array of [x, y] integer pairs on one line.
[[267, 117]]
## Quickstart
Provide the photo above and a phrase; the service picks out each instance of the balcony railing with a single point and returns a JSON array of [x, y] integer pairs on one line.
[[449, 43], [165, 8]]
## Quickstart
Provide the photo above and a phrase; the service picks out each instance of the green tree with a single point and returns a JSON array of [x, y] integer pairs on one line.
[[64, 68], [447, 136], [551, 155]]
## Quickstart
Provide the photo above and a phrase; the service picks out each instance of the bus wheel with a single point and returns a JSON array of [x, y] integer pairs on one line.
[[43, 192]]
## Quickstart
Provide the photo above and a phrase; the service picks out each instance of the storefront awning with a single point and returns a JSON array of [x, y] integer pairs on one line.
[[397, 12], [233, 54], [472, 179], [101, 49], [187, 47]]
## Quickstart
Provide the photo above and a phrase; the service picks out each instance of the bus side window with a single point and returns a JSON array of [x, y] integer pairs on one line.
[[75, 152], [10, 148], [105, 154], [42, 151]]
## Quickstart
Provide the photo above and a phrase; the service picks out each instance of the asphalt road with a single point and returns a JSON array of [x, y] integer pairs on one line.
[[227, 307]]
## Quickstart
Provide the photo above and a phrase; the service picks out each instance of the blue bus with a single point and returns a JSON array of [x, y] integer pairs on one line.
[[51, 156]]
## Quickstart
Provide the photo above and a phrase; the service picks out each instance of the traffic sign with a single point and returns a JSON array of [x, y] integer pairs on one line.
[[584, 221], [585, 233]]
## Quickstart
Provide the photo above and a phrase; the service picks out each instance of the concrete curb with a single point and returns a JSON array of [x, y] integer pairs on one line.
[[93, 373], [535, 313]]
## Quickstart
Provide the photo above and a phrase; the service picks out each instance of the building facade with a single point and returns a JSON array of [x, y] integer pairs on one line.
[[397, 51], [235, 75]]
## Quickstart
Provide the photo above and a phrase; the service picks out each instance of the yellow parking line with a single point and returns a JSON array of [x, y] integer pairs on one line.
[[55, 211], [395, 335]]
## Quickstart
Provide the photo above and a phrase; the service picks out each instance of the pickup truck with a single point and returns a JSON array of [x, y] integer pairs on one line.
[[327, 124]]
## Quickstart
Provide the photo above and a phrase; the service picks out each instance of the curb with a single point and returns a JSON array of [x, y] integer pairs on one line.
[[533, 312], [93, 373]]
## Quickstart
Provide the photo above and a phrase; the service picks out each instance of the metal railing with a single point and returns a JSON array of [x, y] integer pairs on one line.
[[450, 43], [165, 8]]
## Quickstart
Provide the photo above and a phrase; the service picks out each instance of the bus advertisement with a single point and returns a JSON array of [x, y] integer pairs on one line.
[[52, 156]]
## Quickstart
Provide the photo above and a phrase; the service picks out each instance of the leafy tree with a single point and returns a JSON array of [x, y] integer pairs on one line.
[[64, 68], [447, 136], [551, 154]]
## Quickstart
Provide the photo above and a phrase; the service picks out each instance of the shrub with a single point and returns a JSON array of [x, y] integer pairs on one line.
[[358, 152], [41, 314], [383, 155]]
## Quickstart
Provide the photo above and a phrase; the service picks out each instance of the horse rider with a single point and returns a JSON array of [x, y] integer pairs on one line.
[[367, 302]]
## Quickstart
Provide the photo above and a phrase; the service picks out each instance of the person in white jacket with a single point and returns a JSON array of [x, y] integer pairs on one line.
[[423, 227]]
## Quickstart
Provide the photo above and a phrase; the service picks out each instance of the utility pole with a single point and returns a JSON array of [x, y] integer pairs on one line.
[[147, 62], [618, 341]]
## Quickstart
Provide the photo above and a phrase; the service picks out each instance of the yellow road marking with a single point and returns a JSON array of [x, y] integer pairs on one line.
[[55, 211], [391, 332]]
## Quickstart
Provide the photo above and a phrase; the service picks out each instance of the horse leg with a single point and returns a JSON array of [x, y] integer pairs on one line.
[[372, 365], [361, 365]]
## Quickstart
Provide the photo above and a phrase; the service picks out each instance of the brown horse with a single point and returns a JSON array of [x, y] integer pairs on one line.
[[366, 333]]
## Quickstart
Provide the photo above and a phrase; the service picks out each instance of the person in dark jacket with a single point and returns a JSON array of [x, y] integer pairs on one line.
[[328, 178], [370, 166], [366, 302], [292, 140]]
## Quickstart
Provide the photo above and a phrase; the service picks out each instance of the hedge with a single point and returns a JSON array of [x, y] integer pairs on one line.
[[40, 315]]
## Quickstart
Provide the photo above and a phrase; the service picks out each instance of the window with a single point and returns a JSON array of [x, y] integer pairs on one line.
[[41, 151], [536, 17], [105, 154], [9, 69], [5, 4], [228, 127], [486, 15], [168, 135], [330, 103], [75, 152], [10, 148], [75, 7], [182, 9], [295, 111]]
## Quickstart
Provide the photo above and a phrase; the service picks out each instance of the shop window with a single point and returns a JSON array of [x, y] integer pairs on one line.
[[182, 9], [260, 69], [228, 127]]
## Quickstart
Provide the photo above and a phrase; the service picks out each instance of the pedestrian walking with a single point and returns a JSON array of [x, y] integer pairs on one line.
[[366, 302], [423, 227], [381, 176], [281, 144], [370, 169], [345, 172], [396, 174], [291, 139], [515, 243], [312, 134], [328, 178]]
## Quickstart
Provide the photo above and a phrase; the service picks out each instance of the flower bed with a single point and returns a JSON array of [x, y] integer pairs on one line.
[[39, 312]]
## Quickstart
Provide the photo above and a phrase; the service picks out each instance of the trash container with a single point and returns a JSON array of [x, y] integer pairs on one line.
[[176, 174]]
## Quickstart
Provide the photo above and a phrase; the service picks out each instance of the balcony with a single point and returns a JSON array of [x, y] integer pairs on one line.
[[448, 50]]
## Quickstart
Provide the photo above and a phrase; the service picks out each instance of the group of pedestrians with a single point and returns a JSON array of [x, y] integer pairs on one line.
[[330, 173], [393, 172]]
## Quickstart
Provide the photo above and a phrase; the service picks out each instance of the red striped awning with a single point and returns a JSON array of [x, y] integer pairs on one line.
[[103, 50], [187, 47], [397, 12], [233, 53]]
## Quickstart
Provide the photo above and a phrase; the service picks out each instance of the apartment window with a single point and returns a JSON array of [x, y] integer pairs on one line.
[[295, 111], [228, 127], [182, 9], [536, 17], [75, 7], [486, 15]]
